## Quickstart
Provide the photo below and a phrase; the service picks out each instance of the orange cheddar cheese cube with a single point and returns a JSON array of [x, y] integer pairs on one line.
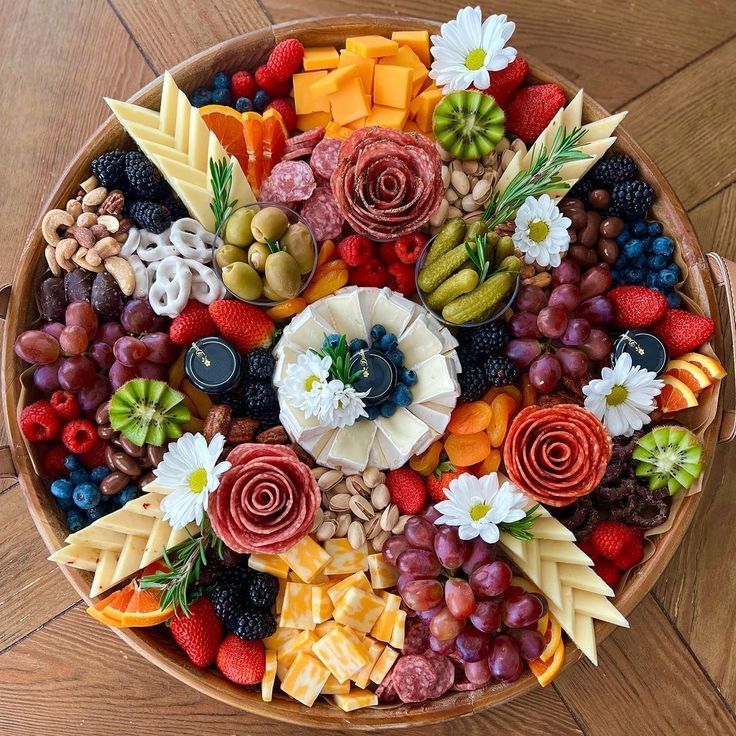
[[296, 610], [272, 564], [355, 700], [324, 628], [333, 130], [406, 56], [306, 558], [391, 601], [301, 643], [375, 649], [321, 602], [320, 57], [345, 560], [365, 67], [372, 47], [392, 86], [387, 117], [422, 107], [358, 609], [348, 103], [269, 677], [410, 126], [333, 687], [397, 635], [383, 573], [383, 629], [331, 83], [356, 580], [357, 124], [340, 653], [305, 101], [280, 638], [383, 665], [313, 120], [418, 41], [305, 679]]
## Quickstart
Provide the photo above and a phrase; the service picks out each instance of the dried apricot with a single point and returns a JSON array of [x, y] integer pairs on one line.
[[328, 284], [467, 449], [491, 394], [528, 392], [502, 408], [470, 418], [335, 265], [490, 465], [327, 252], [287, 309], [426, 462]]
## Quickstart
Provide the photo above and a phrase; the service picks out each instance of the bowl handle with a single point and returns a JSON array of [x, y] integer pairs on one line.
[[7, 466], [724, 275]]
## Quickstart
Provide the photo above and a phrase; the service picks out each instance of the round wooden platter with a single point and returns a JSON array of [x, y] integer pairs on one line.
[[247, 51]]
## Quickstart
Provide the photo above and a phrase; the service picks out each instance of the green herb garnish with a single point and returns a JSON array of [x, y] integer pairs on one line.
[[221, 173], [340, 357], [479, 257], [273, 245], [542, 176], [520, 529]]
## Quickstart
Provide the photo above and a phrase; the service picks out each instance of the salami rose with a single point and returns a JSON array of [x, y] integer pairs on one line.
[[556, 454], [266, 502]]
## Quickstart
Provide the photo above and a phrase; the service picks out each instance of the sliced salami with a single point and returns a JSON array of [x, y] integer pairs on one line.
[[416, 638], [414, 678], [289, 181], [324, 157], [297, 153], [386, 692], [444, 671], [323, 215], [310, 138]]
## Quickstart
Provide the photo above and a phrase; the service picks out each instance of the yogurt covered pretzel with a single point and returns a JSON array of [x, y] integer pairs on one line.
[[206, 287], [171, 287], [192, 240]]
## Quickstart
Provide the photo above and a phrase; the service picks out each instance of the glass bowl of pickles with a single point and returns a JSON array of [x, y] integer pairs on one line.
[[265, 254]]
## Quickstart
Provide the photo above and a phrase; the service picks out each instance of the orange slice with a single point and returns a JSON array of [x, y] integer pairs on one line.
[[144, 609], [227, 125], [553, 637], [694, 377], [252, 124], [675, 396], [274, 139], [98, 611], [115, 609], [545, 672], [707, 364]]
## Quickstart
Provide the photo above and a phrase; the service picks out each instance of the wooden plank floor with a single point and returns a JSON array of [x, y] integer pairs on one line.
[[670, 62]]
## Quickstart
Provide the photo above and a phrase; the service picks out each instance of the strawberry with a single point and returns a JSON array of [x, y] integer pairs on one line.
[[267, 82], [387, 253], [355, 250], [199, 634], [636, 306], [371, 273], [631, 554], [610, 537], [39, 422], [285, 59], [244, 325], [531, 110], [241, 661], [193, 323], [284, 108], [243, 85], [682, 332], [589, 549], [441, 478], [407, 490], [607, 572], [65, 404], [505, 82], [409, 247]]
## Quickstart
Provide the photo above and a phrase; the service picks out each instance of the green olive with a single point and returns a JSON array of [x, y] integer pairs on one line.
[[242, 280], [269, 293], [282, 274], [297, 242], [270, 222], [238, 227], [257, 254], [228, 253]]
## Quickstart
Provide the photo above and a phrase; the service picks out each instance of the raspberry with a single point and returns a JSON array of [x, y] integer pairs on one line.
[[401, 278], [66, 404], [631, 554], [285, 59], [387, 253], [355, 250], [243, 84], [39, 422], [610, 537], [267, 82], [410, 247], [52, 461], [79, 436], [95, 457], [284, 108], [607, 572], [371, 273]]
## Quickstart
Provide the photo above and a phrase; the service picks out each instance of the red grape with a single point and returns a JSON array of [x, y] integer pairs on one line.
[[522, 610], [109, 333], [552, 322], [53, 328], [487, 616], [524, 324], [568, 272], [574, 362], [577, 332], [505, 659], [522, 352], [73, 340], [156, 371], [480, 553], [426, 616], [120, 374], [130, 351], [595, 281], [421, 595], [471, 644], [491, 579], [81, 314], [531, 299], [431, 514], [91, 397], [449, 548], [530, 641], [597, 310], [565, 296], [394, 546], [420, 533], [77, 372], [479, 673], [37, 347], [545, 373], [160, 348], [419, 563], [45, 377], [459, 598], [102, 354], [598, 346], [137, 316], [444, 625], [440, 646]]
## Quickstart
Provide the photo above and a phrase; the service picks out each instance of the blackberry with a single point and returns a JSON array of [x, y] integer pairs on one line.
[[488, 338], [614, 170], [499, 371], [110, 169], [176, 208], [260, 400], [632, 198], [260, 364], [144, 179], [261, 590], [582, 189], [473, 383], [234, 399], [228, 597], [466, 356], [253, 625], [150, 216]]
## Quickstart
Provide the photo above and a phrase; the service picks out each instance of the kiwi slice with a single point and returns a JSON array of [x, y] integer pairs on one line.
[[148, 412], [668, 456], [468, 124]]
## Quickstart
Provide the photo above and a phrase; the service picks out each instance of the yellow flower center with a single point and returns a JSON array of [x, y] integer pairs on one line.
[[197, 480], [476, 59], [538, 231], [618, 395], [309, 383], [479, 511]]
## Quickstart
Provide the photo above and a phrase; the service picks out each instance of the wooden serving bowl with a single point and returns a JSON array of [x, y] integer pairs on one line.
[[247, 51]]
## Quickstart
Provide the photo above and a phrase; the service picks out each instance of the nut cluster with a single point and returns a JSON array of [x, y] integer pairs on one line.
[[357, 507], [89, 234]]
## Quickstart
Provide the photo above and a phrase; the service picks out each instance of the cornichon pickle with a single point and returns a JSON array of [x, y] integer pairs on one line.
[[451, 234], [432, 275], [511, 264], [504, 248], [460, 283], [472, 306], [475, 229]]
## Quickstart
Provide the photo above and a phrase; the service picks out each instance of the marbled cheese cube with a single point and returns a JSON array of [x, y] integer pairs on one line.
[[341, 654], [280, 638], [296, 610], [356, 580], [355, 700], [375, 650], [383, 573], [358, 609], [305, 679], [397, 635], [383, 629], [321, 603], [269, 677], [345, 559], [391, 600], [306, 558], [383, 665], [272, 564], [333, 687]]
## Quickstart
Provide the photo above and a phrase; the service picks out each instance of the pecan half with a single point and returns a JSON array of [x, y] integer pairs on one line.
[[113, 203], [274, 436], [303, 455], [242, 430], [217, 421]]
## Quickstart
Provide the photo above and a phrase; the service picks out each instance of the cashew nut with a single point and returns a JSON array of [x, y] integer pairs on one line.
[[80, 258], [94, 197], [122, 272], [52, 221], [50, 253], [110, 222], [74, 208], [106, 247], [65, 249], [86, 219]]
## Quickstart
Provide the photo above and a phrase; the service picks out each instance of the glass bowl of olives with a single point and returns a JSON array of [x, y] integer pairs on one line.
[[265, 254]]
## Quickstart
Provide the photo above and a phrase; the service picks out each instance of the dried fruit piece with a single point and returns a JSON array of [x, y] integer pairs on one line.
[[528, 392], [426, 462], [287, 309], [502, 409], [475, 416], [490, 465], [329, 267], [325, 286], [467, 449], [327, 251]]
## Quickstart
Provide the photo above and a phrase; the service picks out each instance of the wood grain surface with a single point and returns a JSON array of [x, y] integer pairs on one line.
[[670, 62]]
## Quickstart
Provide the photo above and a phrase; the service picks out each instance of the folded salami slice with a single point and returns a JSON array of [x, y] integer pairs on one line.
[[266, 502], [556, 454]]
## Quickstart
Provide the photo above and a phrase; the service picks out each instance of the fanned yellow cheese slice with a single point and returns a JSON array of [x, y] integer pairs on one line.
[[179, 143]]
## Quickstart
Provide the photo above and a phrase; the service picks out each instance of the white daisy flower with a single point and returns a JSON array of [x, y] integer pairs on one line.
[[541, 231], [468, 48], [623, 397], [341, 405], [306, 379], [478, 505], [190, 470]]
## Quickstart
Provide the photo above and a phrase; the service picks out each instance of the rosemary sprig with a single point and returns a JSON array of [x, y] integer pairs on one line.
[[479, 257], [221, 173], [185, 562], [542, 176], [520, 529], [340, 357], [273, 245]]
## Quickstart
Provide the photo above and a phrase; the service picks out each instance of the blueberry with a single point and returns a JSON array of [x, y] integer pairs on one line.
[[222, 97], [358, 344], [396, 357], [244, 104], [634, 248], [652, 280], [401, 395], [654, 228], [127, 494], [639, 228], [62, 488], [675, 270], [663, 246], [388, 408], [86, 495], [98, 474], [72, 462], [641, 262], [388, 342], [75, 520], [331, 341], [201, 97], [261, 100], [373, 412], [634, 276], [408, 378], [647, 243], [673, 299], [78, 476], [221, 80], [65, 503], [377, 332], [97, 512], [657, 263], [667, 278]]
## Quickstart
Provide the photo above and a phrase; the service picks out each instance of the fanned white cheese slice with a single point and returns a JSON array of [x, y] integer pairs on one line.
[[324, 453], [435, 416], [390, 313], [83, 558], [104, 572], [307, 331], [98, 537], [583, 578], [435, 381], [351, 446], [418, 343], [297, 424], [347, 315], [376, 458], [598, 606], [399, 435]]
